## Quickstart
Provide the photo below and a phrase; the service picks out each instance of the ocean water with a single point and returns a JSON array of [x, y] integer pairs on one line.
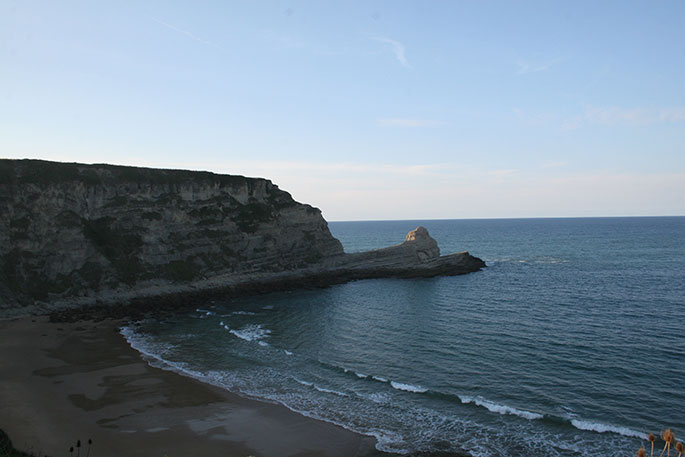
[[570, 343]]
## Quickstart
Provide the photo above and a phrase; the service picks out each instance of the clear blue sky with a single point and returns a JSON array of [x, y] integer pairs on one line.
[[368, 109]]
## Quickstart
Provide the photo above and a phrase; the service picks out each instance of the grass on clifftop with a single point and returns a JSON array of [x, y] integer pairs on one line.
[[30, 171]]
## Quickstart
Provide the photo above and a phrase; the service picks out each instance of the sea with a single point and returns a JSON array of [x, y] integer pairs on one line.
[[570, 343]]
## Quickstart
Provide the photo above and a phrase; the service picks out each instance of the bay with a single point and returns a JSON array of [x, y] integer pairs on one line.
[[569, 343]]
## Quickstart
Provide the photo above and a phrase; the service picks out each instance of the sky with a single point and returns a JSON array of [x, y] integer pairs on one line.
[[369, 110]]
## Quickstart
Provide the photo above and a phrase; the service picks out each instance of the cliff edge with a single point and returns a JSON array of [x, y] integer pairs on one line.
[[76, 235]]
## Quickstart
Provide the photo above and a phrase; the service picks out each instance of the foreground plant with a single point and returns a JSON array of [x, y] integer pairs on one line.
[[668, 436]]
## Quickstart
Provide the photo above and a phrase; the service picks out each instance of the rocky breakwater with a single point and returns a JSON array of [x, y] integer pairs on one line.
[[75, 235], [418, 256]]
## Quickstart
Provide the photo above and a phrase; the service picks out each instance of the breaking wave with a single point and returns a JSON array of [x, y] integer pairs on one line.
[[408, 387], [604, 428], [253, 332], [501, 409]]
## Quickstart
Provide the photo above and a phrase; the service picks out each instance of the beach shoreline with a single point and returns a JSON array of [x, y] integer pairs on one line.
[[62, 382]]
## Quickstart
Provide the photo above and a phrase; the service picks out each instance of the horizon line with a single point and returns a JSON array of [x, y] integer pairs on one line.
[[508, 218]]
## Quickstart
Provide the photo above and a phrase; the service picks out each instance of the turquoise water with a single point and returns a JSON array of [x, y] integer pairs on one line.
[[570, 343]]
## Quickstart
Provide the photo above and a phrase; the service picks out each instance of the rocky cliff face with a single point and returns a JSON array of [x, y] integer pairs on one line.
[[76, 235], [90, 231]]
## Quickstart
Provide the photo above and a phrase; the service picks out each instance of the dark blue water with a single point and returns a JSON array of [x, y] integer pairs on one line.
[[571, 342]]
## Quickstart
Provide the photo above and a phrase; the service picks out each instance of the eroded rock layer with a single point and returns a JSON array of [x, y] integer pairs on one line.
[[75, 234]]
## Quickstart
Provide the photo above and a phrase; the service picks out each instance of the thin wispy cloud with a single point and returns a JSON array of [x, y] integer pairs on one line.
[[525, 67], [553, 164], [427, 172], [617, 116], [187, 33], [572, 123], [411, 123], [345, 168], [672, 114], [502, 172], [533, 119], [397, 48], [292, 168]]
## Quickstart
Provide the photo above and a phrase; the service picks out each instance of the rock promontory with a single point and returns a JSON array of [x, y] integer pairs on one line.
[[74, 235]]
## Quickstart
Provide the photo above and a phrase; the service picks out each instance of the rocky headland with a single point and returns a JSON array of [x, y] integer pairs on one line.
[[114, 237]]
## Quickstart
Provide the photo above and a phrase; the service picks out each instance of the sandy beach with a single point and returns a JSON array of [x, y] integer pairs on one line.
[[62, 382]]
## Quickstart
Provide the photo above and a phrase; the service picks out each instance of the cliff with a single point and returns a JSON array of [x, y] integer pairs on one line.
[[75, 234]]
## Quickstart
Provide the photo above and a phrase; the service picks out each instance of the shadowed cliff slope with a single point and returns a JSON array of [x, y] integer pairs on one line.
[[74, 234]]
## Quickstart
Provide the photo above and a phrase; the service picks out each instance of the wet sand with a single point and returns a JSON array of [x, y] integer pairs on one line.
[[62, 382]]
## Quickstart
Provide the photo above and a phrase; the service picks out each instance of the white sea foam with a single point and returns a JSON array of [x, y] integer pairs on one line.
[[203, 313], [153, 353], [550, 260], [501, 409], [408, 387], [319, 388], [386, 440], [253, 332], [221, 324], [417, 425], [360, 375], [304, 383], [329, 391], [227, 327], [150, 352], [376, 397], [243, 313], [263, 343], [604, 428]]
